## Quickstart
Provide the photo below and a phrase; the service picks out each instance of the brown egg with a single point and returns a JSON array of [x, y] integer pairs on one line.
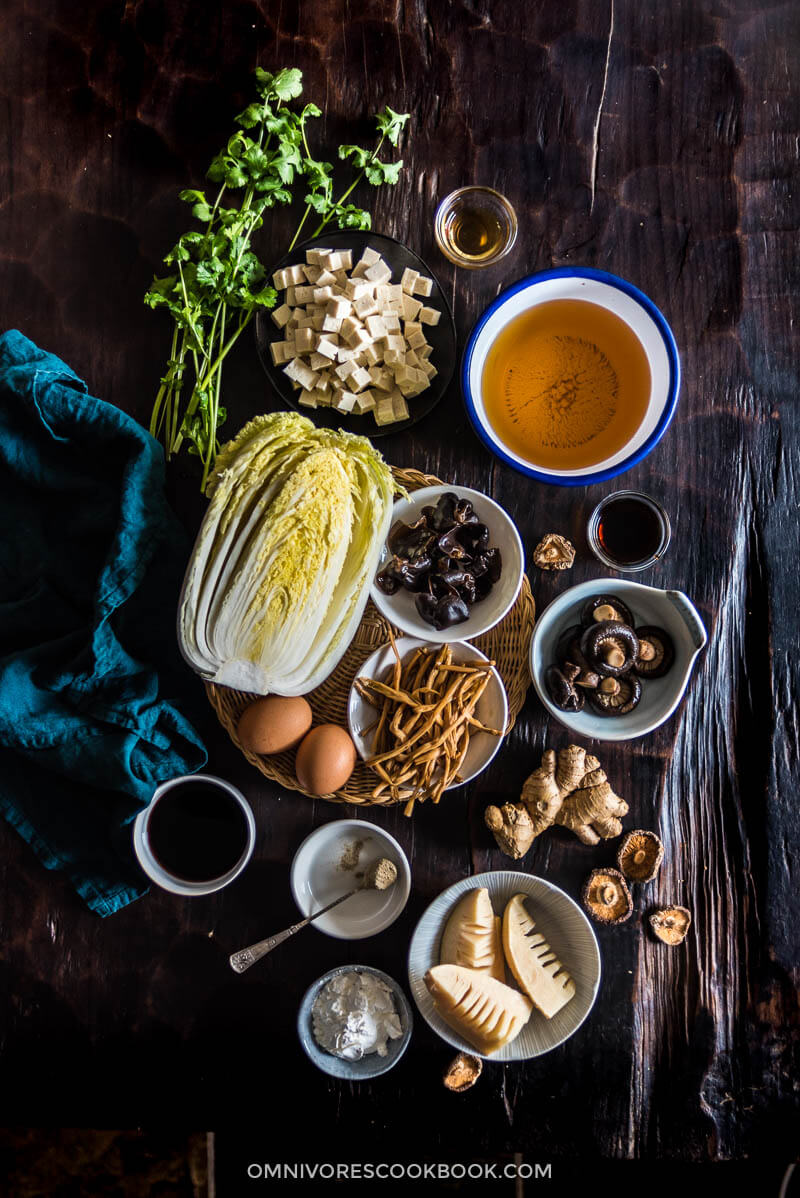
[[274, 724], [325, 759]]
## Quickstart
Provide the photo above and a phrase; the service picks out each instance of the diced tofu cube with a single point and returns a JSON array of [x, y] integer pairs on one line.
[[348, 329], [360, 379], [429, 315], [318, 361], [424, 351], [429, 369], [296, 274], [394, 293], [376, 327], [365, 401], [338, 307], [379, 272], [323, 294], [365, 305], [312, 273], [281, 316], [371, 355], [279, 353], [313, 256], [304, 340], [331, 324], [416, 340], [318, 320], [291, 301], [410, 307], [422, 286], [392, 322], [327, 346], [326, 279], [344, 370], [303, 294], [304, 322], [384, 411], [345, 354], [324, 381], [394, 357], [308, 399], [408, 280], [395, 342], [280, 280], [298, 372], [399, 406], [357, 288], [343, 400]]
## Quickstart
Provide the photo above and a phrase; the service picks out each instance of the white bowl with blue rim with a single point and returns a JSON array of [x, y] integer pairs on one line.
[[625, 301], [671, 610], [371, 1065]]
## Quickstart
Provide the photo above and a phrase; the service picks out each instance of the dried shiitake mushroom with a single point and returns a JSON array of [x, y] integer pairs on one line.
[[554, 553], [610, 647], [462, 1072], [640, 855], [606, 896], [615, 696], [671, 924], [656, 652], [606, 607], [560, 684]]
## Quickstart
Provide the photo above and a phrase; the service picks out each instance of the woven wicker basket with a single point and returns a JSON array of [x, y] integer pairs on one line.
[[506, 644]]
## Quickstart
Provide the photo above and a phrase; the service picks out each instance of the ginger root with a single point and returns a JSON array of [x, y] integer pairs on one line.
[[569, 788]]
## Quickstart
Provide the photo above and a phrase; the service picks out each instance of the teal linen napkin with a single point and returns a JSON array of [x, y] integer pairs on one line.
[[91, 686]]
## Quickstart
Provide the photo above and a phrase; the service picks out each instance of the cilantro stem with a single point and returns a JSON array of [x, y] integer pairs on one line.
[[332, 212]]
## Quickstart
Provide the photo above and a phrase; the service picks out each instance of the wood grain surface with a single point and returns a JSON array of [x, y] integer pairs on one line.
[[657, 141]]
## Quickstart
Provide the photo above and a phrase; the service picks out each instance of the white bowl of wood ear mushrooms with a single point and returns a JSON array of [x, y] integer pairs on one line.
[[504, 966]]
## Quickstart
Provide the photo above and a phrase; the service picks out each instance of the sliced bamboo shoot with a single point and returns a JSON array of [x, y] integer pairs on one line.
[[533, 963], [485, 1012]]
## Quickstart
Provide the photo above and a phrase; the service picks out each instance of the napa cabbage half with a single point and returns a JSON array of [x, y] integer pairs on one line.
[[280, 572]]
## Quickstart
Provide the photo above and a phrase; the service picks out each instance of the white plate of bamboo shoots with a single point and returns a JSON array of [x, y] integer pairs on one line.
[[504, 965], [426, 717]]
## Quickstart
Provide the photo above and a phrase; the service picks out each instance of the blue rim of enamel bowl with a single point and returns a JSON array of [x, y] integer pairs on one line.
[[664, 421]]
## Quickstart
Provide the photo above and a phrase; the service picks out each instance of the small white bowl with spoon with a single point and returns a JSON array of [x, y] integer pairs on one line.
[[347, 859]]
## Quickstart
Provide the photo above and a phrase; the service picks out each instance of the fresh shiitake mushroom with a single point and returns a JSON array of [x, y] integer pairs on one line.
[[561, 688], [606, 607], [616, 696], [610, 647], [656, 652]]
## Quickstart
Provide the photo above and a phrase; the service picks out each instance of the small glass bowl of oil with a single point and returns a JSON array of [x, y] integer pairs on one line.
[[628, 531], [475, 227]]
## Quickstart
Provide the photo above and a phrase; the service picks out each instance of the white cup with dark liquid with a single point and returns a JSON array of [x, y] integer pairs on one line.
[[195, 836]]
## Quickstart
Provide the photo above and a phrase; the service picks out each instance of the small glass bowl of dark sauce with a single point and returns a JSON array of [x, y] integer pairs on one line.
[[628, 531]]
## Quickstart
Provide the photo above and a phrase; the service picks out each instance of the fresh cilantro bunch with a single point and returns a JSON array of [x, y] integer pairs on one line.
[[217, 282]]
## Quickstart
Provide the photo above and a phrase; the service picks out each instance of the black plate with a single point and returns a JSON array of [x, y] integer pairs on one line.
[[441, 336]]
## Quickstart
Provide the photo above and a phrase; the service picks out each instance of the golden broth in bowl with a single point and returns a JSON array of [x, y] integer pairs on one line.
[[566, 384]]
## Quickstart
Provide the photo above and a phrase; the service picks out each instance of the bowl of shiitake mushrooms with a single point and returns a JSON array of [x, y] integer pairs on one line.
[[611, 659]]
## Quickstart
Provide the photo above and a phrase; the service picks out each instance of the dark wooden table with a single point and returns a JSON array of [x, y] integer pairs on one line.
[[691, 112]]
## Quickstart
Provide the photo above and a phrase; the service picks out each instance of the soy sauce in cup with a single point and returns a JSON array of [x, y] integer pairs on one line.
[[196, 836], [628, 531]]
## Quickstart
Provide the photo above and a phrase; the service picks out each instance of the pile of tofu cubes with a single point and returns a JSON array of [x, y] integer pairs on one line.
[[352, 339]]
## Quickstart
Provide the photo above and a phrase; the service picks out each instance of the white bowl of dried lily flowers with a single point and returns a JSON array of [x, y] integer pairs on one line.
[[426, 717]]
